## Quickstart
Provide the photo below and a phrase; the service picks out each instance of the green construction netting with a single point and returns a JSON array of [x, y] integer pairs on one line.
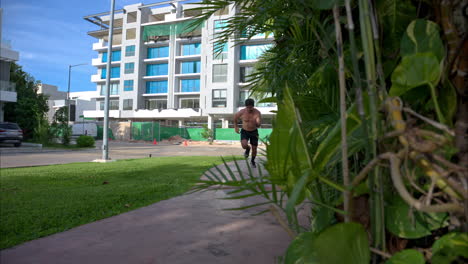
[[169, 29], [149, 131], [100, 132]]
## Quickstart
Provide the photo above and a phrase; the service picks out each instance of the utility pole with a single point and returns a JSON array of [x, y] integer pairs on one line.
[[105, 137]]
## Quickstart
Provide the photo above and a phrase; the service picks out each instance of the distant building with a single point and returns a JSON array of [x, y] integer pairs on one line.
[[164, 69], [79, 102], [7, 56]]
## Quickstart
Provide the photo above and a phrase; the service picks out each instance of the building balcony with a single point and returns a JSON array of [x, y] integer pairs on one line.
[[165, 59], [264, 110], [101, 46], [154, 94], [100, 113], [157, 77], [162, 42], [186, 93], [247, 62], [97, 62], [187, 75], [7, 91], [163, 113], [188, 57], [95, 78]]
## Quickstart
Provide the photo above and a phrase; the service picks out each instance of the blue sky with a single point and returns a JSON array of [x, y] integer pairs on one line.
[[52, 34]]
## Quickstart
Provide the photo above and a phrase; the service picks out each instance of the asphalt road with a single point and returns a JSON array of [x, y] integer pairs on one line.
[[27, 156]]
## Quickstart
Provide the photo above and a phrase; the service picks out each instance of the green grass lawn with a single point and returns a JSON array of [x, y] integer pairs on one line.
[[39, 201]]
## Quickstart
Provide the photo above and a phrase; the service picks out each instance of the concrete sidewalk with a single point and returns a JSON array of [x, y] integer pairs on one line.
[[191, 228]]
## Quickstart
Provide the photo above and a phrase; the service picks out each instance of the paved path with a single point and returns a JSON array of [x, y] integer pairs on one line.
[[191, 228], [21, 157]]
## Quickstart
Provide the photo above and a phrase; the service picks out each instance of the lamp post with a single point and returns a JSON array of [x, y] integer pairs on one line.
[[68, 90], [105, 137]]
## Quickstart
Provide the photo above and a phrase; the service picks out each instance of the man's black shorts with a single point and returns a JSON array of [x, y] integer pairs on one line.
[[250, 135]]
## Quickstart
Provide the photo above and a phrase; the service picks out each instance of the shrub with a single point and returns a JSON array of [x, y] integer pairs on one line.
[[85, 141]]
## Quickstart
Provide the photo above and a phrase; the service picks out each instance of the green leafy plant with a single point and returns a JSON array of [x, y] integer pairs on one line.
[[207, 134], [381, 150], [85, 141]]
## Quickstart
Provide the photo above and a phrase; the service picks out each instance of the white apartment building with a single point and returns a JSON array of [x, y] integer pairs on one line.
[[162, 69], [7, 55]]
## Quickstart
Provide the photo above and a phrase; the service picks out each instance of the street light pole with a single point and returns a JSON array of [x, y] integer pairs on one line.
[[67, 103], [105, 136]]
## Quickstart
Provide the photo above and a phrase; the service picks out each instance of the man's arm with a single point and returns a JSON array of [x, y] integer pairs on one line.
[[258, 120], [236, 120]]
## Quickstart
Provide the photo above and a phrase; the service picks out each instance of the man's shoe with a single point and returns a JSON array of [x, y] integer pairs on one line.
[[253, 164], [246, 153]]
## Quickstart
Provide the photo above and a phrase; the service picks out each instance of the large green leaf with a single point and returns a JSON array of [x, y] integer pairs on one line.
[[415, 70], [340, 243], [448, 100], [300, 250], [287, 154], [408, 256], [449, 248], [422, 36], [404, 222], [395, 16], [324, 4]]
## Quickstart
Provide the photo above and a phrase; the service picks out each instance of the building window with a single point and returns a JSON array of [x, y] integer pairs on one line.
[[219, 73], [158, 52], [190, 103], [130, 51], [128, 85], [243, 95], [219, 25], [113, 89], [190, 85], [115, 56], [129, 67], [132, 17], [190, 66], [156, 87], [156, 69], [156, 104], [248, 31], [245, 74], [131, 34], [115, 72], [113, 105], [219, 98], [224, 11], [191, 49], [220, 51], [253, 52], [128, 104]]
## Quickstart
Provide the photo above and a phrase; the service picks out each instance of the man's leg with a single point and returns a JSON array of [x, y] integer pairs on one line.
[[254, 154], [254, 144], [245, 145]]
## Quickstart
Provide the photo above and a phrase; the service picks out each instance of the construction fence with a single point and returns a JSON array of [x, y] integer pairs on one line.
[[149, 131]]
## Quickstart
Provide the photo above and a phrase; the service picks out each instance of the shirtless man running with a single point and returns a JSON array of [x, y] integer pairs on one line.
[[251, 120]]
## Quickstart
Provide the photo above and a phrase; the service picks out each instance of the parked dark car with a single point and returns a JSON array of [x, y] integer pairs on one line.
[[11, 133]]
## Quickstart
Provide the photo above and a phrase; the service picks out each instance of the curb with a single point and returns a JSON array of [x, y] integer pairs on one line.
[[31, 145]]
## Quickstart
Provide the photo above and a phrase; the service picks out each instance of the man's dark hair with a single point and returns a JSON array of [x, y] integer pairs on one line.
[[249, 102]]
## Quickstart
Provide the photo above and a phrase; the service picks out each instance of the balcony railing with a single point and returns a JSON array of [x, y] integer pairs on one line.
[[7, 86]]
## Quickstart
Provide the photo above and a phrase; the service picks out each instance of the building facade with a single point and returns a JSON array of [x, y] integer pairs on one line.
[[163, 68], [79, 102], [7, 56]]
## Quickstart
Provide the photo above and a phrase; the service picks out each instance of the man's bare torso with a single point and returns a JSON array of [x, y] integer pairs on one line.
[[250, 119]]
